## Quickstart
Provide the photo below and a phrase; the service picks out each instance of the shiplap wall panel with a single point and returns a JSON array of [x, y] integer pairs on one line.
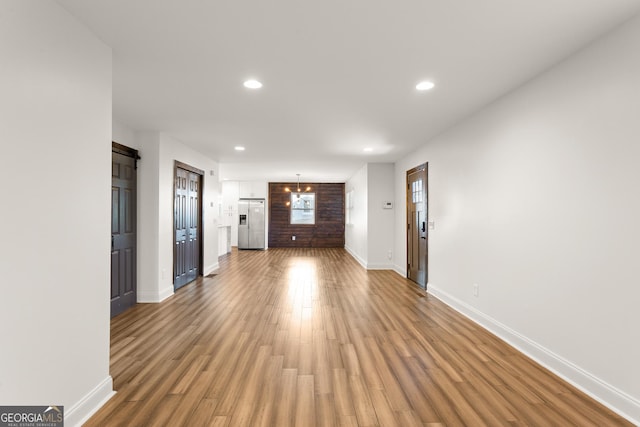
[[327, 232]]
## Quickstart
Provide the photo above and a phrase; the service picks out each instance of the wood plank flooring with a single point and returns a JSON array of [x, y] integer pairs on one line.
[[307, 337]]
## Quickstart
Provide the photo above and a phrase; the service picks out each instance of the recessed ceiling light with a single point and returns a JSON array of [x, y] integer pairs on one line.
[[238, 148], [252, 84], [368, 150], [425, 85]]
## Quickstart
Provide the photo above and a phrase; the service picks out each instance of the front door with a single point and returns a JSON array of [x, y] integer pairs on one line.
[[187, 225], [123, 229], [417, 215]]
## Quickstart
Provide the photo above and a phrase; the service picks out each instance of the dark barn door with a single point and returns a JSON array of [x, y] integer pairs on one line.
[[187, 260], [123, 229]]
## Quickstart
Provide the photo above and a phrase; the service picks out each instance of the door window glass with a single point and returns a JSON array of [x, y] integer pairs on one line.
[[417, 193]]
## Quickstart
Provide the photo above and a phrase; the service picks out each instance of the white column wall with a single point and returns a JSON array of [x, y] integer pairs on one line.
[[158, 152], [534, 199], [55, 128], [380, 235], [369, 237], [355, 236], [149, 272]]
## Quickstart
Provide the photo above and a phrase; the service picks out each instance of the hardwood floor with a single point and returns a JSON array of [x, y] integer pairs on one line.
[[307, 337]]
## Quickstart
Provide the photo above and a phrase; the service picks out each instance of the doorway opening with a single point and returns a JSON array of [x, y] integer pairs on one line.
[[417, 220]]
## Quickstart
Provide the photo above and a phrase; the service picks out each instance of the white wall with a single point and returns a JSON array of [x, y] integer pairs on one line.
[[55, 129], [123, 134], [535, 199]]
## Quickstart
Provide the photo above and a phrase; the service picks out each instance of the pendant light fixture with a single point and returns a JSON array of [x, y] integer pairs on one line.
[[298, 189]]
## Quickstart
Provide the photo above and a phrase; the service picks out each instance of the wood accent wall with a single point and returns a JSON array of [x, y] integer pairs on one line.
[[328, 231]]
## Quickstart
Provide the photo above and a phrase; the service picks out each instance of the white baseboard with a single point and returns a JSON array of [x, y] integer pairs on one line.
[[155, 296], [400, 270], [355, 256], [89, 405], [618, 401], [210, 269], [379, 267], [366, 265]]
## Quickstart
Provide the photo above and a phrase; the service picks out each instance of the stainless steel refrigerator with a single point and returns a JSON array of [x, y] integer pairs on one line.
[[251, 223]]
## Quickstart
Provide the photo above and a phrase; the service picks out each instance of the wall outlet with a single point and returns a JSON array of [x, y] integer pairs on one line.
[[389, 254], [476, 290], [293, 237]]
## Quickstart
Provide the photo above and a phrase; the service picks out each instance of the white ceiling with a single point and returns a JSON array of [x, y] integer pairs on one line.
[[338, 75]]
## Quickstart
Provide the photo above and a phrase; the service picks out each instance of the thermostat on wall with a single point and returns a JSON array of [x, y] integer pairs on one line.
[[387, 205]]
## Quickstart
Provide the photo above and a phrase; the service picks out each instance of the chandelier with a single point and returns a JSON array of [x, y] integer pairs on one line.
[[298, 191]]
